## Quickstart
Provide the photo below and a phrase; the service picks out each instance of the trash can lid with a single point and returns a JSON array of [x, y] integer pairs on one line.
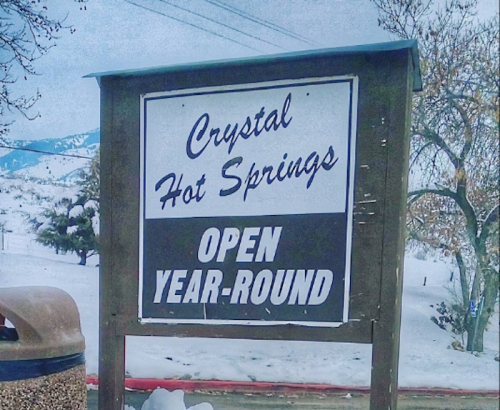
[[46, 320]]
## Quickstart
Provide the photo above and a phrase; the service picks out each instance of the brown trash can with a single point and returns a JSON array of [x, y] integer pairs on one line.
[[42, 362]]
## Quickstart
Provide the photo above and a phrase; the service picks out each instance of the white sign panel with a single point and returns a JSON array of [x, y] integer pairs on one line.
[[240, 180]]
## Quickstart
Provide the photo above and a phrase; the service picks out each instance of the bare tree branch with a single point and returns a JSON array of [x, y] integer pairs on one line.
[[27, 33], [490, 223]]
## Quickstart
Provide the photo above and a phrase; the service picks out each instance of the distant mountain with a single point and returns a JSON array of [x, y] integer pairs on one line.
[[31, 159]]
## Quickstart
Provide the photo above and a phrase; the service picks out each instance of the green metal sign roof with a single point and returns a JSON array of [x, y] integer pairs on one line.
[[298, 56]]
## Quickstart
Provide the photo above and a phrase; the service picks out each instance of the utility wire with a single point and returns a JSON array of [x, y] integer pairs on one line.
[[45, 152], [192, 25], [262, 22], [222, 24]]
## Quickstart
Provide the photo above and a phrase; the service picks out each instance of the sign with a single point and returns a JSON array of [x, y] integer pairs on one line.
[[472, 308], [259, 198], [247, 203]]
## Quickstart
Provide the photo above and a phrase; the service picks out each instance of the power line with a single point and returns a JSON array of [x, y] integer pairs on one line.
[[222, 24], [45, 152], [192, 25], [262, 22]]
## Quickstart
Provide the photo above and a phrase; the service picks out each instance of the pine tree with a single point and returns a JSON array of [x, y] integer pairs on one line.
[[72, 225]]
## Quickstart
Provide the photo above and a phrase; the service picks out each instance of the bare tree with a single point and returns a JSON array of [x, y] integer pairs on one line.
[[454, 193], [27, 32]]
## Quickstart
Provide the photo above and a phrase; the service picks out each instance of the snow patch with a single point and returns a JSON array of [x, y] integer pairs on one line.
[[162, 399]]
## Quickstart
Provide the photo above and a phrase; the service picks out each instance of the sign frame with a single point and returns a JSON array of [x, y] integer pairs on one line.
[[388, 74]]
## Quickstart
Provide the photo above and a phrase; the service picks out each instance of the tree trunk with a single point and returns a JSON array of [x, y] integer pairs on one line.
[[464, 285], [475, 334], [83, 258]]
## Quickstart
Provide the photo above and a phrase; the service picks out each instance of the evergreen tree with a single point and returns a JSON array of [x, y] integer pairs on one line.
[[90, 180], [73, 225]]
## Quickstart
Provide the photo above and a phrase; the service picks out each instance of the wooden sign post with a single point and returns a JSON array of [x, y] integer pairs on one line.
[[257, 199]]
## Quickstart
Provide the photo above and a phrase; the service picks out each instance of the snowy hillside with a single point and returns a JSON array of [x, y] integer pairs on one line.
[[32, 181], [28, 162], [24, 198]]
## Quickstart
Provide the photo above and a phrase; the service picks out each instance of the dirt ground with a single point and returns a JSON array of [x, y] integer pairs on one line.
[[221, 401]]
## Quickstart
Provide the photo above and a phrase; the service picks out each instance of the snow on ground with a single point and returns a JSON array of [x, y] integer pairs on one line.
[[21, 199], [162, 399], [52, 167], [426, 359]]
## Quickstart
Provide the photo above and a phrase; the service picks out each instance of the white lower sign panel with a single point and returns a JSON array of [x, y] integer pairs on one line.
[[246, 203]]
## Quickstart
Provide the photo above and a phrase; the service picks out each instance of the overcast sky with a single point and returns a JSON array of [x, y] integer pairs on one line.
[[115, 34]]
